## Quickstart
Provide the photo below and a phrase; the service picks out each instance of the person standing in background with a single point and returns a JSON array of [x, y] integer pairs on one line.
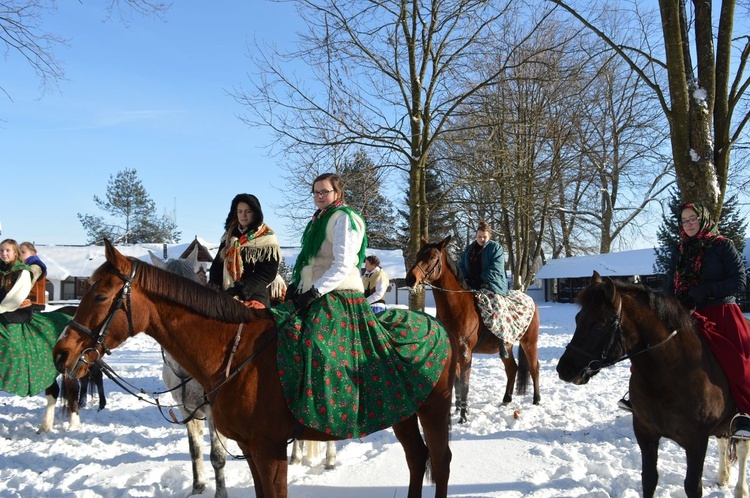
[[376, 283]]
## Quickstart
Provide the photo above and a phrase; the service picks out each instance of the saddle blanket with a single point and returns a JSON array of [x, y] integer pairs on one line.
[[507, 317]]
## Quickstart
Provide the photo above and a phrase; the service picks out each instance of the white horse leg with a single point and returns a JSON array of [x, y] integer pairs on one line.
[[723, 477], [195, 445], [218, 456], [75, 421], [49, 415], [297, 448], [330, 454], [740, 491]]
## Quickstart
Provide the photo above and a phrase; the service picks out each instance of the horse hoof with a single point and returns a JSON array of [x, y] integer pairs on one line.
[[198, 489], [537, 399], [507, 400]]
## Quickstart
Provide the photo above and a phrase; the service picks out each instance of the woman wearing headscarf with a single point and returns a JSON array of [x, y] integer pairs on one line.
[[709, 273], [249, 254]]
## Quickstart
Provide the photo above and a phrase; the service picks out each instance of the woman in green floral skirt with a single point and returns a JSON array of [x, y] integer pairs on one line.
[[26, 337], [344, 370]]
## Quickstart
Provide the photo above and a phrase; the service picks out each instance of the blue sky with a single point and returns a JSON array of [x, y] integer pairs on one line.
[[152, 96]]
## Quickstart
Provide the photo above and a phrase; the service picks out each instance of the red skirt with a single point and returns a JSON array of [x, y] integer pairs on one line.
[[728, 335]]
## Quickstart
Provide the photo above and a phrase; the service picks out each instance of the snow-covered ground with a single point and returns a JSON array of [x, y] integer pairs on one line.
[[575, 443]]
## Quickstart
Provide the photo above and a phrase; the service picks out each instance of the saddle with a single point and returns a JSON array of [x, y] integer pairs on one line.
[[507, 317]]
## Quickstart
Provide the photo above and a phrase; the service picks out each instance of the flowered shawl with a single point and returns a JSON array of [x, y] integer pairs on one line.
[[315, 234], [259, 245], [691, 250]]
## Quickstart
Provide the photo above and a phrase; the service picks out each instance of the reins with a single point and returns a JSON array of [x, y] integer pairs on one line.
[[596, 365], [125, 296]]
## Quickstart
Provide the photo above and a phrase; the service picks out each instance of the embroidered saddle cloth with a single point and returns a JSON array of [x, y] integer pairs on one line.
[[507, 317]]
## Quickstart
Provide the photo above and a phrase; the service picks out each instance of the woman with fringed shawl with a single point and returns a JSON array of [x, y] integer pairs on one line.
[[344, 370], [709, 273], [249, 254]]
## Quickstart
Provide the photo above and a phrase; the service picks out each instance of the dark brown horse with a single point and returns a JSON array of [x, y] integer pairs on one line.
[[198, 327], [677, 388], [457, 310]]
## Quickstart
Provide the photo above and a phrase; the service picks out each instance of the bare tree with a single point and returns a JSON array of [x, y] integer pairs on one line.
[[22, 32], [702, 96], [390, 72]]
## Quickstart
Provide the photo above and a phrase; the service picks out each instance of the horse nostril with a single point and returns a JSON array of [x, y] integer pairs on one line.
[[59, 361]]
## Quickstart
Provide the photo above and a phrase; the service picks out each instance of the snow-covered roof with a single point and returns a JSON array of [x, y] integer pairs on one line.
[[81, 261], [615, 264]]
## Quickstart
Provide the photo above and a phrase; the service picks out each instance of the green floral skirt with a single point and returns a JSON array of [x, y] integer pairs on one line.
[[26, 366], [348, 372]]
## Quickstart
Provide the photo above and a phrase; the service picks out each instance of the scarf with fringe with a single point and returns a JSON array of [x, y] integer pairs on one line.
[[315, 234], [260, 245]]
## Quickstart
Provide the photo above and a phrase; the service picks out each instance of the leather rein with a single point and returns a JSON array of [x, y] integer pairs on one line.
[[124, 297], [615, 337]]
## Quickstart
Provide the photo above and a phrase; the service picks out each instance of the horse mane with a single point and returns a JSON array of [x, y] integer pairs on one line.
[[187, 292], [453, 266], [667, 308]]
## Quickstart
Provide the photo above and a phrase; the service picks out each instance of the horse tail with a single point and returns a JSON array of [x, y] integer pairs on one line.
[[523, 375]]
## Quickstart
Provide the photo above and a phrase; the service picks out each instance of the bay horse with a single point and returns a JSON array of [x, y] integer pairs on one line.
[[677, 387], [457, 310], [199, 327]]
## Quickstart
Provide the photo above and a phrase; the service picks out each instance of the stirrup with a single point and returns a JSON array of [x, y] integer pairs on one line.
[[739, 427]]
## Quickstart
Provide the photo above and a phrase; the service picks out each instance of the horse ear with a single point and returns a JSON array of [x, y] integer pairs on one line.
[[193, 258], [156, 261], [443, 243], [425, 241], [610, 289], [116, 258], [596, 278]]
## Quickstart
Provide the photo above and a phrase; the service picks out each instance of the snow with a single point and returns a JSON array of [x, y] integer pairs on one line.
[[575, 443]]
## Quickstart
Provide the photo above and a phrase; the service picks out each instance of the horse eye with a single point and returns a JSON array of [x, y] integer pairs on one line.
[[99, 298]]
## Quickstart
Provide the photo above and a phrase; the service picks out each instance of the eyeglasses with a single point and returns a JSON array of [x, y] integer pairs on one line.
[[321, 193], [690, 221]]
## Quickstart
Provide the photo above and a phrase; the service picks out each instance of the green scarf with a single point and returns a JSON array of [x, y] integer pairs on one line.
[[315, 234]]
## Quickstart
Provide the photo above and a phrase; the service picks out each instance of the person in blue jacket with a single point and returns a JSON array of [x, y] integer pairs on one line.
[[483, 262]]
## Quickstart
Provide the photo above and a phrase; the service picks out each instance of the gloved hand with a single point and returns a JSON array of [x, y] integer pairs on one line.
[[291, 292], [698, 295], [302, 301]]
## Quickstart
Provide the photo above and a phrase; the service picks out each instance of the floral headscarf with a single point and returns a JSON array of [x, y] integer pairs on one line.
[[690, 255]]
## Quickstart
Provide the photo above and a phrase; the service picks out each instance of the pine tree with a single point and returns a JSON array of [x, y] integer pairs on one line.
[[131, 215], [362, 185]]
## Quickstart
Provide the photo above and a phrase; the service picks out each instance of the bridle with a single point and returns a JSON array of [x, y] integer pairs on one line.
[[101, 334], [615, 338], [427, 274]]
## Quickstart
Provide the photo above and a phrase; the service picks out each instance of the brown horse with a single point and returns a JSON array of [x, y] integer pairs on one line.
[[677, 388], [198, 326], [457, 310]]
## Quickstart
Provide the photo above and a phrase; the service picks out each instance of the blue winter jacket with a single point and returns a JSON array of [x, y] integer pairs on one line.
[[493, 266]]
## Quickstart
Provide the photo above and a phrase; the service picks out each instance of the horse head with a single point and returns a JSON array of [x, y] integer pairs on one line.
[[104, 318], [429, 263], [597, 341]]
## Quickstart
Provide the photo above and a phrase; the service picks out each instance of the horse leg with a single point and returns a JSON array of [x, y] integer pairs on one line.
[[330, 454], [72, 388], [407, 433], [462, 389], [649, 445], [195, 445], [511, 368], [530, 346], [297, 448], [98, 377], [740, 490], [696, 454], [51, 394], [437, 435], [723, 474], [268, 465], [84, 388], [218, 456]]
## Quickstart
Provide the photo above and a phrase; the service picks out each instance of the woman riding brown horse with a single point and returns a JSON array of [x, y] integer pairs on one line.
[[677, 388], [231, 351], [457, 310]]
